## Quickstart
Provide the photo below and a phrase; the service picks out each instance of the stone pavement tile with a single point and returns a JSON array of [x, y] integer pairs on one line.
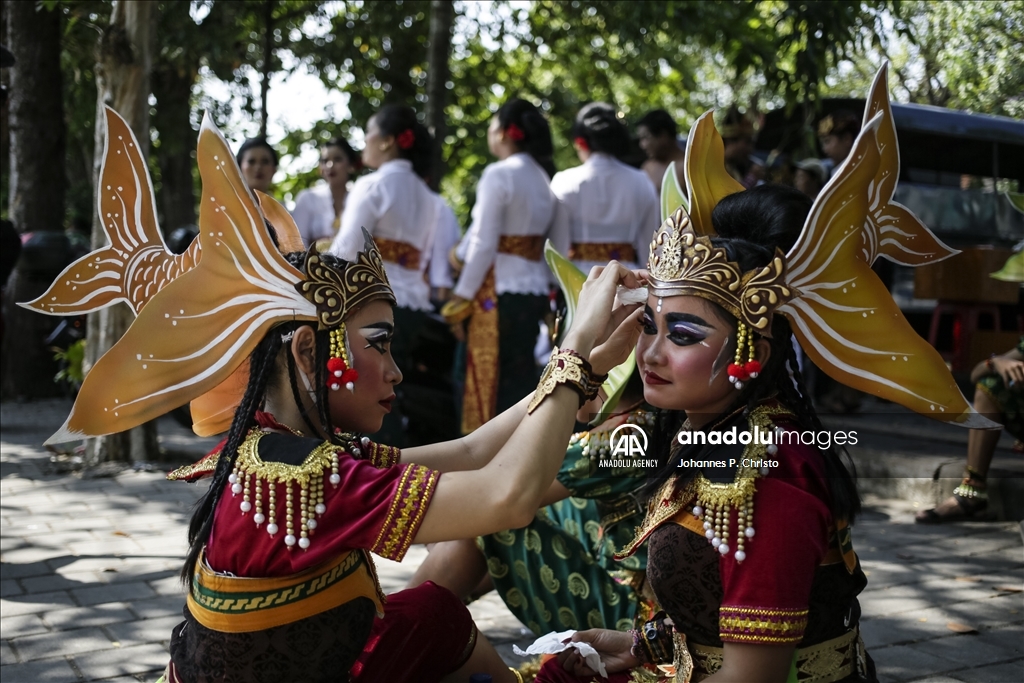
[[7, 654], [938, 679], [56, 670], [966, 650], [22, 625], [95, 523], [115, 546], [144, 630], [56, 582], [9, 587], [997, 610], [114, 592], [907, 627], [169, 585], [33, 604], [1007, 637], [44, 645], [27, 555], [157, 607], [902, 663], [150, 658], [95, 615], [1010, 672]]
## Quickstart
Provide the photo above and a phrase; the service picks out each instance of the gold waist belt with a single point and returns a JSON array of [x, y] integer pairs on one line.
[[602, 251], [401, 253], [233, 604], [530, 247], [825, 662]]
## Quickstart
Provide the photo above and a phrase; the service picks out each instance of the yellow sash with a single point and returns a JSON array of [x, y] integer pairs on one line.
[[232, 604]]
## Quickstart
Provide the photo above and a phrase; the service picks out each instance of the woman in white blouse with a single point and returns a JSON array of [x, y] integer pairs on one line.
[[609, 209], [401, 213], [502, 292], [318, 209]]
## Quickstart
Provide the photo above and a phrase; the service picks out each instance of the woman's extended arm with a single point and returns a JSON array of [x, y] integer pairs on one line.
[[507, 491], [1008, 366]]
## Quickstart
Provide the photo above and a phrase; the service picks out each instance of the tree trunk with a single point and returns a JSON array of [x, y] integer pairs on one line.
[[122, 82], [172, 86], [268, 57], [37, 184], [442, 18]]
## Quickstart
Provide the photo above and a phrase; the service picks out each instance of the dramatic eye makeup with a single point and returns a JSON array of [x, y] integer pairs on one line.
[[648, 321], [683, 329], [378, 336]]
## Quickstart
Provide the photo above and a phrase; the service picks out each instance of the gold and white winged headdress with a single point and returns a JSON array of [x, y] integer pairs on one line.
[[840, 312], [198, 318]]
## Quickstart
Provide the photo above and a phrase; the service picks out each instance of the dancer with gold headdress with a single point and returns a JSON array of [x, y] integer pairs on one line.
[[749, 545], [281, 582]]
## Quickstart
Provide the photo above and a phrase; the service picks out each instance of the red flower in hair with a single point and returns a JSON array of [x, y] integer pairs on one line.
[[515, 133], [581, 142], [406, 139]]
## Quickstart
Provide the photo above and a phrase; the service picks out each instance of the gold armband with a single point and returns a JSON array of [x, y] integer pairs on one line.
[[455, 312], [571, 369]]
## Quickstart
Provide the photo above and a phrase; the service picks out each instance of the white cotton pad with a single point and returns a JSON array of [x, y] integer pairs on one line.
[[625, 295]]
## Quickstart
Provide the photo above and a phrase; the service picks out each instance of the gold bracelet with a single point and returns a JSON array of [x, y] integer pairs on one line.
[[454, 312], [571, 369], [515, 672]]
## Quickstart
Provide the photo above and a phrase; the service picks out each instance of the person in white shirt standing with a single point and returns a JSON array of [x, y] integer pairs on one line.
[[502, 292], [401, 213], [610, 209], [318, 209]]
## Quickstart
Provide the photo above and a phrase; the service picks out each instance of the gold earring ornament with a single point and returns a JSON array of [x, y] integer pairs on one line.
[[740, 372], [340, 373]]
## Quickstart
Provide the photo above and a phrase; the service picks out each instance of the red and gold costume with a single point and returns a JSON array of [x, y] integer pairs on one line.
[[327, 593], [752, 553], [284, 588]]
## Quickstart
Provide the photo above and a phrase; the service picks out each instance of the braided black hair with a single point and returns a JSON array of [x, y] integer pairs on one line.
[[750, 226], [263, 375]]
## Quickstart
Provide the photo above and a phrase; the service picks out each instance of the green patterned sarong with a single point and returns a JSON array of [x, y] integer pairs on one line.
[[558, 573], [1010, 401]]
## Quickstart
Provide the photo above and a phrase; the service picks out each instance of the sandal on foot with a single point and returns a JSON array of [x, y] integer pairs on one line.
[[966, 508]]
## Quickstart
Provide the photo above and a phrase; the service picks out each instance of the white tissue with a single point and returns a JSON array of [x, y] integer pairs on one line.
[[625, 295], [552, 644]]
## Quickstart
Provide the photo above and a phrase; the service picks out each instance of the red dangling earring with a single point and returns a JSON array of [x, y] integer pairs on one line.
[[339, 372], [740, 372]]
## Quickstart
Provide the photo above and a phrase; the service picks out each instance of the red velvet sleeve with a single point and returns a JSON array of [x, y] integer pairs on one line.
[[765, 598], [373, 508]]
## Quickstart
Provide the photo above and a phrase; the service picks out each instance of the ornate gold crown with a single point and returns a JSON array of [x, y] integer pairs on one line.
[[681, 263], [336, 294]]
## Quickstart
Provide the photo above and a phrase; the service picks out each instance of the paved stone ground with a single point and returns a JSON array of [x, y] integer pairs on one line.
[[89, 588]]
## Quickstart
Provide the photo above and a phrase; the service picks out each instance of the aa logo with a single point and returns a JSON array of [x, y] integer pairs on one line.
[[629, 440]]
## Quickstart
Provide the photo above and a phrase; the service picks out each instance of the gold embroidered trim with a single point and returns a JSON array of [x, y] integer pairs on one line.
[[196, 470], [382, 456], [412, 497], [761, 625], [256, 480], [827, 662]]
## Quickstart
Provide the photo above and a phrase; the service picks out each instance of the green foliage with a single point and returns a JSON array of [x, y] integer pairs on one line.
[[71, 360], [957, 54], [680, 55]]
